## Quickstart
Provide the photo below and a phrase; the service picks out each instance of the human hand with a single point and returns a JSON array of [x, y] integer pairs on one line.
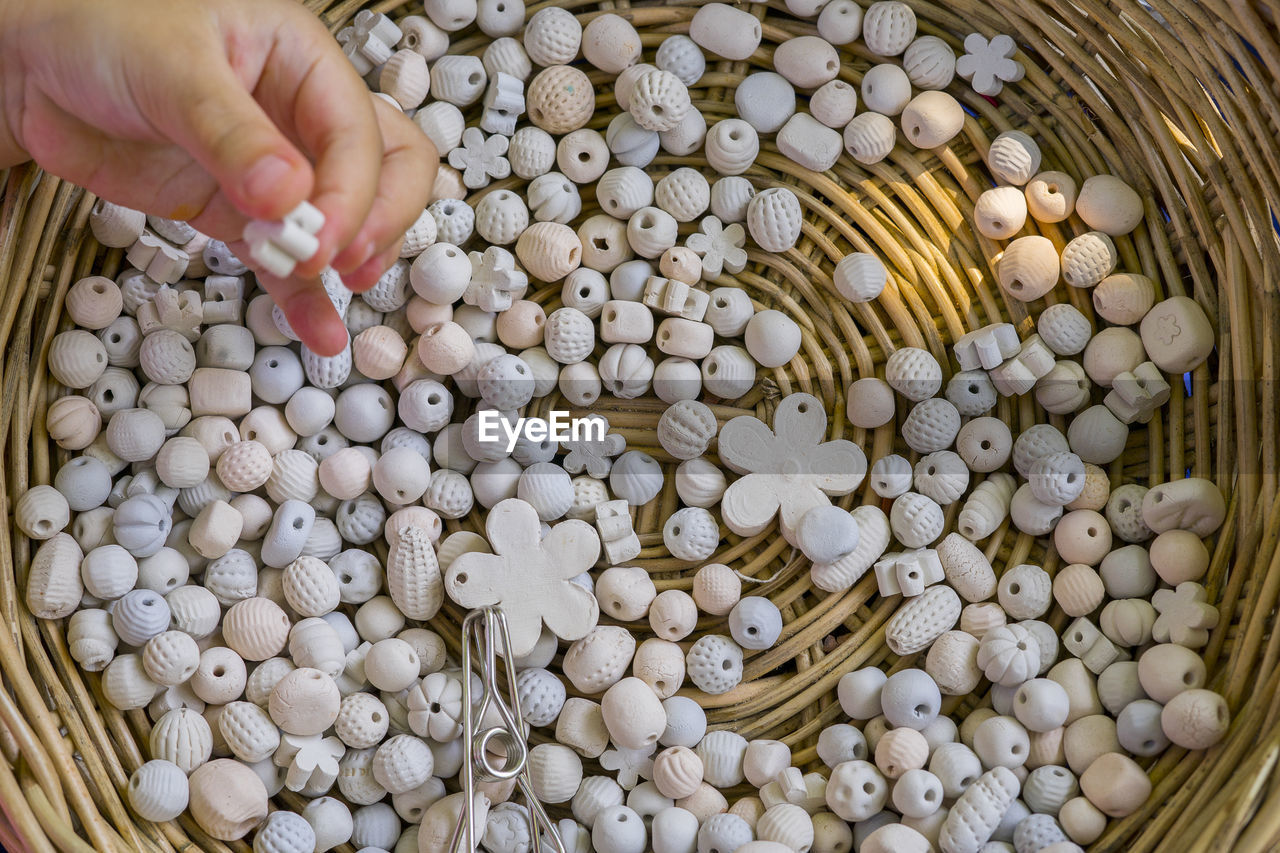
[[216, 112]]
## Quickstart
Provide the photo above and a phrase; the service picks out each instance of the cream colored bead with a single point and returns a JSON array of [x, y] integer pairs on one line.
[[869, 137], [42, 512], [560, 99], [886, 90], [54, 586], [953, 663], [1013, 158], [932, 119], [1109, 205], [1177, 334], [716, 589], [549, 250], [1115, 784], [1028, 268], [77, 358], [73, 422], [227, 799], [610, 43], [216, 529], [305, 702], [1000, 213], [1050, 196], [901, 750], [379, 352], [1088, 259], [677, 772]]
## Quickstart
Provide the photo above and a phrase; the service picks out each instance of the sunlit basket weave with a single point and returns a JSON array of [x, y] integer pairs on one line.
[[1179, 99]]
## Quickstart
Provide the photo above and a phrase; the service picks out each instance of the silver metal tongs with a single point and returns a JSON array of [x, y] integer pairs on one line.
[[499, 752]]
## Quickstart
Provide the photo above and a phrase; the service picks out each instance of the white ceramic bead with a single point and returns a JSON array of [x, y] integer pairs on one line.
[[726, 31], [887, 90], [834, 104], [774, 218], [158, 791], [869, 137], [809, 143], [888, 27], [683, 193]]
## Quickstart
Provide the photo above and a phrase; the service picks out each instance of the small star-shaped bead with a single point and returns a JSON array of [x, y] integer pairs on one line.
[[495, 281], [629, 764], [719, 247], [480, 159], [1186, 617], [988, 65]]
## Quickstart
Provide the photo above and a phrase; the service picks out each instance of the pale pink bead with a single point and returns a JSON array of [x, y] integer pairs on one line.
[[379, 351], [445, 348], [422, 314], [521, 325], [346, 474], [716, 589]]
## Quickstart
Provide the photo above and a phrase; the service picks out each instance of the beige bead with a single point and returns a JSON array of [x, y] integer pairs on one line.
[[379, 352], [73, 422], [932, 119], [1082, 821], [1029, 268], [673, 614], [661, 665], [244, 466], [725, 31], [1109, 205], [1087, 739], [220, 391], [1083, 536], [1178, 556], [682, 264], [94, 303], [633, 714], [1050, 196], [560, 99], [1111, 352], [1078, 590], [1177, 334], [581, 727], [806, 61], [900, 750], [677, 772], [54, 585], [216, 529], [1000, 212], [405, 78], [228, 799], [42, 512], [1124, 298], [1195, 719], [77, 358], [521, 325], [346, 474], [445, 348], [1115, 784], [549, 251], [305, 702], [716, 589]]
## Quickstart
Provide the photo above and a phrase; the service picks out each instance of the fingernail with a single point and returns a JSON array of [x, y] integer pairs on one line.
[[263, 179]]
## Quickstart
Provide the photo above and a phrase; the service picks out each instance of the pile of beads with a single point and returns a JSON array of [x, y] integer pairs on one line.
[[251, 545]]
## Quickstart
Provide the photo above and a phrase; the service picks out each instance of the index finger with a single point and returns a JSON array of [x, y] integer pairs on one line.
[[310, 88]]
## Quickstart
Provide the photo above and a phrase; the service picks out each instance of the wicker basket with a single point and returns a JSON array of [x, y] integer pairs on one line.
[[1171, 97]]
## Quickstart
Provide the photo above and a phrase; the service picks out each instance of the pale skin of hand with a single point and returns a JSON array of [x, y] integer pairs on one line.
[[217, 112]]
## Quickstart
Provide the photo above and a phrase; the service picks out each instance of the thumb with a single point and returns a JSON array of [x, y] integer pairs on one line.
[[227, 132]]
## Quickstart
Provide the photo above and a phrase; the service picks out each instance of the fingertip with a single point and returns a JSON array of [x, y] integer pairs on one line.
[[368, 273], [321, 330], [274, 185]]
